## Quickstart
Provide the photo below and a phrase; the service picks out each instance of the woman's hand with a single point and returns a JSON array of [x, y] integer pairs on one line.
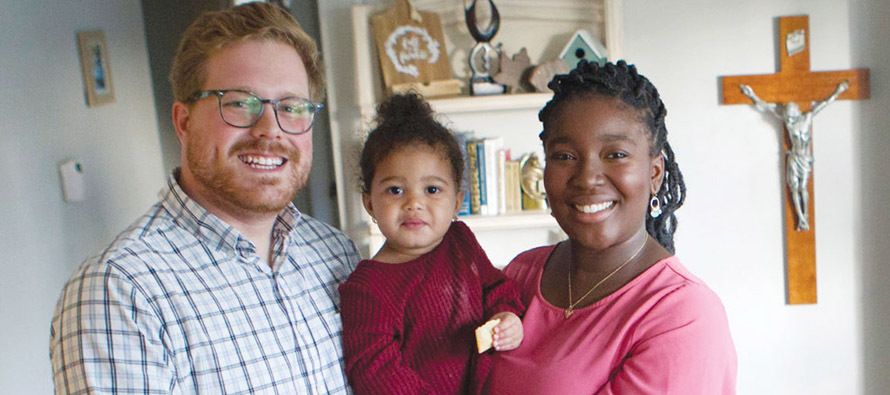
[[508, 333]]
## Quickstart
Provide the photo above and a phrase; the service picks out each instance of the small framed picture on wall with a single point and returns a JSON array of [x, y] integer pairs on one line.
[[96, 68]]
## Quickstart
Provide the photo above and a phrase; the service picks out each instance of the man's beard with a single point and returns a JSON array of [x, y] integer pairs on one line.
[[266, 194]]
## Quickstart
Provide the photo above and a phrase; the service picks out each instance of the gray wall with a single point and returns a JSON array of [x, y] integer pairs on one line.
[[869, 42], [165, 21], [44, 121]]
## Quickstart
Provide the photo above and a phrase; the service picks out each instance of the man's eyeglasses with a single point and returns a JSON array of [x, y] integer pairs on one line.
[[243, 109]]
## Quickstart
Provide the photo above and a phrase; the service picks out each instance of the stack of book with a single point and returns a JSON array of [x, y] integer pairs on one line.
[[491, 177]]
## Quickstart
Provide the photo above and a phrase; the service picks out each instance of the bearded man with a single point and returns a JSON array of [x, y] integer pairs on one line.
[[223, 286]]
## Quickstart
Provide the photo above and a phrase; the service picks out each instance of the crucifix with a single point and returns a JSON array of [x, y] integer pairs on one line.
[[800, 94]]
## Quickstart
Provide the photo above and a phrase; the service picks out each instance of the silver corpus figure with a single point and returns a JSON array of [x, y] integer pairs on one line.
[[800, 157]]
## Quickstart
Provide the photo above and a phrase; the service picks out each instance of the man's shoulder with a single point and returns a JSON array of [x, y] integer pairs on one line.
[[313, 231], [321, 245], [131, 249], [323, 228]]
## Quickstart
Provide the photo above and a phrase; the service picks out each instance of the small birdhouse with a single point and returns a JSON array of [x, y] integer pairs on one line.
[[582, 45]]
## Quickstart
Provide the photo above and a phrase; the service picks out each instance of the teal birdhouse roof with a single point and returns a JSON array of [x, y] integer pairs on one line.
[[582, 45]]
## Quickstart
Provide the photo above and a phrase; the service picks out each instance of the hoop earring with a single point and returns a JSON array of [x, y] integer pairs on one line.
[[654, 207]]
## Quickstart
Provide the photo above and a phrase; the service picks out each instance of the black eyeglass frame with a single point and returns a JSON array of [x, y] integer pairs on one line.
[[275, 103]]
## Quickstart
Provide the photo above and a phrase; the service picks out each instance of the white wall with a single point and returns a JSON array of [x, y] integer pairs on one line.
[[44, 121], [730, 230]]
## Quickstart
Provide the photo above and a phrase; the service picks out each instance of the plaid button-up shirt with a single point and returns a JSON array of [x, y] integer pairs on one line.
[[180, 303]]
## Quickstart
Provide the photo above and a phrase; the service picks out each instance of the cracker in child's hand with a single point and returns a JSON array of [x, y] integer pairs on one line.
[[485, 335]]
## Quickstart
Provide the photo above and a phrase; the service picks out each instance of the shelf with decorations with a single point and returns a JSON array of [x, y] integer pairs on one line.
[[483, 104], [355, 87]]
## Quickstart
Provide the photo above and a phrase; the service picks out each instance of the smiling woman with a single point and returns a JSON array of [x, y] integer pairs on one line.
[[599, 174], [638, 321]]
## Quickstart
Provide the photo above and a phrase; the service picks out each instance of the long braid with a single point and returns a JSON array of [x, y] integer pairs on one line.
[[671, 195], [622, 81]]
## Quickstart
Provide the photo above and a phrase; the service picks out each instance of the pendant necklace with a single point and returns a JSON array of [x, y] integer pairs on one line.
[[571, 308]]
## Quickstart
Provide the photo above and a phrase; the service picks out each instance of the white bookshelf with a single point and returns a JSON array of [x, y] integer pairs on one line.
[[354, 88]]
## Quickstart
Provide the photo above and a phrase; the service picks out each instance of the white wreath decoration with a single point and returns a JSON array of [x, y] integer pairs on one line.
[[400, 60]]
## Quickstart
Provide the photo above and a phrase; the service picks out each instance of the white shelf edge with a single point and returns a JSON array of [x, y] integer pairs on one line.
[[479, 104], [521, 220]]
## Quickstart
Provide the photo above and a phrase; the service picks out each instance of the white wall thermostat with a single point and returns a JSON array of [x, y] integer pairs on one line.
[[72, 181]]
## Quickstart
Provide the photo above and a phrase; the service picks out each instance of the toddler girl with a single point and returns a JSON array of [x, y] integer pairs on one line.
[[409, 314]]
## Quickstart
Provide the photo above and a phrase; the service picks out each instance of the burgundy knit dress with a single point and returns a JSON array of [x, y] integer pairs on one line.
[[408, 328]]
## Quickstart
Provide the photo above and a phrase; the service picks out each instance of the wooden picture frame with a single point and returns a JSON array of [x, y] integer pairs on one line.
[[95, 67]]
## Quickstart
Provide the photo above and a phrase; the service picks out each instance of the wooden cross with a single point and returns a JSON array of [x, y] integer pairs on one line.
[[796, 83]]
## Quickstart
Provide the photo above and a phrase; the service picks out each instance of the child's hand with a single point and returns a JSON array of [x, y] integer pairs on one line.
[[508, 333]]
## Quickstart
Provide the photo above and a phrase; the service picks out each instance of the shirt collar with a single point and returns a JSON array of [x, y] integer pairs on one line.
[[208, 227]]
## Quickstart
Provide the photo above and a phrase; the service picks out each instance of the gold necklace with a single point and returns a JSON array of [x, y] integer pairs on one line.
[[571, 307]]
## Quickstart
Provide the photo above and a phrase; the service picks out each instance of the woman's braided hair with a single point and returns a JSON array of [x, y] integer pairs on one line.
[[622, 81]]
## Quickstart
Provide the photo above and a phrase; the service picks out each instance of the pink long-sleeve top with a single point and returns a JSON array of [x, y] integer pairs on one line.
[[664, 332]]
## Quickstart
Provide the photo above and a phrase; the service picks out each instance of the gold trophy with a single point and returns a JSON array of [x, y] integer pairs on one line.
[[534, 197]]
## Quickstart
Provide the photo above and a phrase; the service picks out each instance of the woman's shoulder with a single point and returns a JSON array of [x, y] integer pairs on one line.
[[534, 255], [528, 263], [673, 275], [673, 288]]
